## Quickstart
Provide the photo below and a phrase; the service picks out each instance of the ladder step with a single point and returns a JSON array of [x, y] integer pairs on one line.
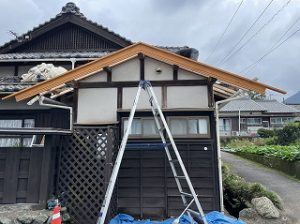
[[162, 128], [193, 212], [147, 146], [186, 194], [180, 177], [173, 161]]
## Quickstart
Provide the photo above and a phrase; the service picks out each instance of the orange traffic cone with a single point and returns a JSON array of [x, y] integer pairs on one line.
[[56, 219]]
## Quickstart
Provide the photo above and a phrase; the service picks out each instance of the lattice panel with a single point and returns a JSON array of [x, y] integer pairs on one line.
[[85, 166]]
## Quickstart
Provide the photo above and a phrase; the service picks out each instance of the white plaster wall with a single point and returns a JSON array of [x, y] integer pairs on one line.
[[98, 77], [186, 75], [187, 97], [7, 70], [97, 105], [127, 71], [143, 103], [152, 65]]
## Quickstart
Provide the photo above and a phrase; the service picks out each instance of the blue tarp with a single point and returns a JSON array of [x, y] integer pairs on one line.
[[212, 218]]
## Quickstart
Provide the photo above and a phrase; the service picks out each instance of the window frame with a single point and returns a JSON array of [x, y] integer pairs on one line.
[[187, 118], [138, 136], [21, 137], [289, 119]]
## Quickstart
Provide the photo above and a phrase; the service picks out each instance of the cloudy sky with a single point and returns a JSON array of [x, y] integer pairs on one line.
[[262, 41]]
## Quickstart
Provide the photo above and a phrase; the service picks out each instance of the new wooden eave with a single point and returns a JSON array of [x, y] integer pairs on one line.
[[132, 51]]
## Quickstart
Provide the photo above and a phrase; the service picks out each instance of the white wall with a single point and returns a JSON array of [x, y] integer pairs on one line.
[[187, 97], [143, 103], [152, 65], [97, 105], [127, 71], [186, 75], [98, 77]]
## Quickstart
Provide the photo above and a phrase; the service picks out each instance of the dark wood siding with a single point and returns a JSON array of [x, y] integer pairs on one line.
[[147, 188], [68, 37], [20, 174]]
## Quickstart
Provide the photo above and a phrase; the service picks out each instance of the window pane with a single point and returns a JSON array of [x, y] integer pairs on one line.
[[149, 127], [193, 126], [28, 123], [203, 127], [10, 123], [10, 142], [178, 126], [136, 127]]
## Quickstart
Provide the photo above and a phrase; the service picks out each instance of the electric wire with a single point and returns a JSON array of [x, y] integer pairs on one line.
[[223, 34], [245, 34], [257, 32], [276, 45]]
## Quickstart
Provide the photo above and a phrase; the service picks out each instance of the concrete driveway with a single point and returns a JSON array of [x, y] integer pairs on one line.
[[287, 188]]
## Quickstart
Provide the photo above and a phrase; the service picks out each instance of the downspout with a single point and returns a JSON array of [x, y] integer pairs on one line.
[[219, 144], [57, 105], [53, 104]]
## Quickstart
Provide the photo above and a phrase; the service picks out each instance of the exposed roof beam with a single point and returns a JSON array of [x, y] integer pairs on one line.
[[127, 53]]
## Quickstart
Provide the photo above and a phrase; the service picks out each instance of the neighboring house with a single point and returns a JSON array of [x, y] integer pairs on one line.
[[294, 101], [245, 116], [77, 158]]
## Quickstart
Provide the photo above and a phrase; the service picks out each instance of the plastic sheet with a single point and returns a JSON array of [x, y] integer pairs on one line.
[[212, 218]]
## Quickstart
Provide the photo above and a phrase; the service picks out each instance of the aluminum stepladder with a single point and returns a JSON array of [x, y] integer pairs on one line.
[[161, 125]]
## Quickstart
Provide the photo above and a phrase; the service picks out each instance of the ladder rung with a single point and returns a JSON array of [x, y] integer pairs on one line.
[[186, 194], [173, 161], [162, 128], [194, 212], [180, 177], [146, 146]]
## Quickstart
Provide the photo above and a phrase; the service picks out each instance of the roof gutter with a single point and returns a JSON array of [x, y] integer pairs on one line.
[[234, 97], [53, 104], [48, 59]]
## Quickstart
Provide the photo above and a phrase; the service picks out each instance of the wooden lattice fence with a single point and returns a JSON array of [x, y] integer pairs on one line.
[[85, 166]]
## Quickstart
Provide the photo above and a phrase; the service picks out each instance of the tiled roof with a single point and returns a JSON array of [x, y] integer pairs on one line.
[[249, 105], [51, 55], [10, 84], [273, 106], [294, 99], [243, 104], [69, 8]]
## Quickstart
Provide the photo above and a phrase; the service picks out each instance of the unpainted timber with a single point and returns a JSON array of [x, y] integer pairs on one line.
[[127, 53]]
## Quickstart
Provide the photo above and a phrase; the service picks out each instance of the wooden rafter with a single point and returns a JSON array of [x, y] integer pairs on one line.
[[132, 51]]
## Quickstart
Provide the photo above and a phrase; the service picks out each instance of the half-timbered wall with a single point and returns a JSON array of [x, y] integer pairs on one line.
[[100, 95]]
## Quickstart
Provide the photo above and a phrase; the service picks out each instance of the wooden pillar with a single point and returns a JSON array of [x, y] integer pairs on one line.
[[175, 72], [210, 91], [109, 73], [47, 172], [142, 66]]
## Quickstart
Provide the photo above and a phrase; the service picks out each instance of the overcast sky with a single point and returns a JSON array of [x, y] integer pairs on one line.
[[195, 23]]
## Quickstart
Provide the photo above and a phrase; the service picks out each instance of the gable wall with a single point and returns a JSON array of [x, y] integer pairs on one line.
[[101, 95], [67, 37]]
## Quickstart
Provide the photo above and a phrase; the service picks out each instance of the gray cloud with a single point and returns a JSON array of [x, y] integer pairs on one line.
[[194, 23]]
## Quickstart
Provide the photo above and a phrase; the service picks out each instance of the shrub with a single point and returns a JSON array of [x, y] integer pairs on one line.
[[238, 193], [290, 152], [289, 134], [265, 133]]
